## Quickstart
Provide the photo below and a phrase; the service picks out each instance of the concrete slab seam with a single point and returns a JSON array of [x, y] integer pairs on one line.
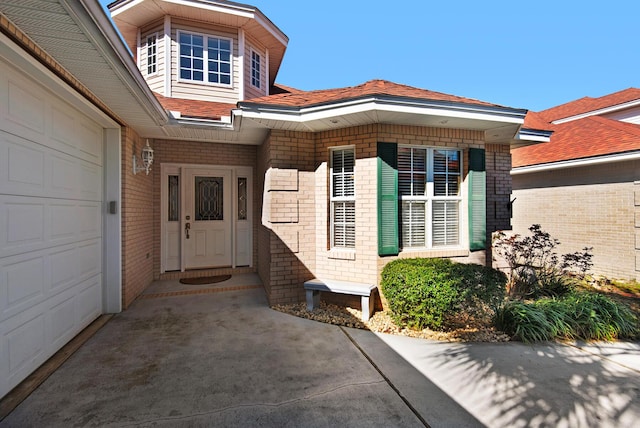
[[201, 291], [386, 379], [248, 405]]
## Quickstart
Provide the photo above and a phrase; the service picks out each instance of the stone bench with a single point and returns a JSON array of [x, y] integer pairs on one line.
[[313, 288]]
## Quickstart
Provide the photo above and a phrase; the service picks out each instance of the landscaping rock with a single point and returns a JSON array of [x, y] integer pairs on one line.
[[381, 322]]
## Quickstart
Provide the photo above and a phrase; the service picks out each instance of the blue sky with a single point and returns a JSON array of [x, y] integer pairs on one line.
[[525, 54]]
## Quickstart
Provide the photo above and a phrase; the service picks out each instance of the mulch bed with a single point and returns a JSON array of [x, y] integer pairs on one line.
[[381, 322]]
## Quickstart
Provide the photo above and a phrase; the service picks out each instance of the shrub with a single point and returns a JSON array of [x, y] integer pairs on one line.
[[523, 321], [587, 316], [535, 270], [428, 292], [482, 289]]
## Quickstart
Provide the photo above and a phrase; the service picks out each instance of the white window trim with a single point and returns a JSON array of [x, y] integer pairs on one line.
[[429, 198], [333, 199], [146, 50], [260, 56], [205, 60]]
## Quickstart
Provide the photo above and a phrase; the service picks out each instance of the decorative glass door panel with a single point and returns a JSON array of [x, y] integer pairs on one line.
[[172, 236], [173, 199], [209, 198]]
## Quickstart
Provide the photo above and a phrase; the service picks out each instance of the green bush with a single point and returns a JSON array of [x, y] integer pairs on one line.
[[432, 292], [587, 316], [482, 289]]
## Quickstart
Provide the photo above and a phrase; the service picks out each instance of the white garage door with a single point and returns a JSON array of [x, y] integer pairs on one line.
[[51, 181]]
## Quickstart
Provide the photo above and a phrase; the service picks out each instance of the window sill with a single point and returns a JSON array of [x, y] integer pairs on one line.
[[205, 83], [341, 254], [440, 252]]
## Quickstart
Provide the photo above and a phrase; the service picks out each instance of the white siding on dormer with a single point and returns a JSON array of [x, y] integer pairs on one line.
[[155, 81], [203, 91], [631, 115], [250, 90]]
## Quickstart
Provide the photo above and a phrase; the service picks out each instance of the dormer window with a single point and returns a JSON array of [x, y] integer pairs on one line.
[[152, 54], [205, 58], [255, 69]]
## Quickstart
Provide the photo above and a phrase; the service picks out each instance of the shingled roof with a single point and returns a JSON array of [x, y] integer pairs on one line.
[[582, 138], [196, 109], [286, 96], [370, 88], [578, 139], [589, 104]]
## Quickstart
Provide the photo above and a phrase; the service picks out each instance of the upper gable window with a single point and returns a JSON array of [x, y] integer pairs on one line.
[[152, 54], [255, 69], [205, 58]]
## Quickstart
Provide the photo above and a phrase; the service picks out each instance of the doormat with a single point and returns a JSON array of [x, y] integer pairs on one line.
[[204, 280]]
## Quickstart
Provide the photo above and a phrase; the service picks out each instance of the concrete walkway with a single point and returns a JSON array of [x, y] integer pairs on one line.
[[218, 356]]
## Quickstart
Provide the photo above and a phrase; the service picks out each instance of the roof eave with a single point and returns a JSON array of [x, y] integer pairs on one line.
[[97, 25], [599, 112], [572, 163], [528, 136], [399, 104]]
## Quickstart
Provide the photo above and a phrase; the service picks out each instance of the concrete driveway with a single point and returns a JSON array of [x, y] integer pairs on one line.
[[221, 357]]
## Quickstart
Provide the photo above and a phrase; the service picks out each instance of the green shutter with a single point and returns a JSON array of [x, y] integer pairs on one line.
[[477, 200], [388, 199]]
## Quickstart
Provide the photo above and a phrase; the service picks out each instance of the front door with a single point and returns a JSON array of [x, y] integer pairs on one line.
[[206, 215]]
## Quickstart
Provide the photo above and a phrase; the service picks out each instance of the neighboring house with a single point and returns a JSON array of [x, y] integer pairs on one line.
[[248, 176], [583, 186]]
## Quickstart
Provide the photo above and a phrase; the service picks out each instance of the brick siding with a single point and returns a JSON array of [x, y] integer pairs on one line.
[[293, 239], [137, 230], [596, 206]]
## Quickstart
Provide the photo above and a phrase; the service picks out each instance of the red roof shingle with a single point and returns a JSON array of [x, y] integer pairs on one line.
[[582, 138], [196, 109], [588, 104], [370, 88], [578, 139]]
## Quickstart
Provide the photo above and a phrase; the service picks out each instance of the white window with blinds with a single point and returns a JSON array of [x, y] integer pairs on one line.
[[343, 198], [429, 192]]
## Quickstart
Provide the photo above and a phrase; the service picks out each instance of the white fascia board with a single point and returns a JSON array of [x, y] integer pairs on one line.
[[122, 7], [619, 157], [327, 111], [225, 122], [271, 28], [606, 110], [228, 8], [176, 117], [91, 18], [536, 135]]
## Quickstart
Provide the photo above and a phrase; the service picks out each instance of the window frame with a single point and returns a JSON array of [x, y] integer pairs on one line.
[[155, 64], [256, 79], [341, 200], [429, 197], [205, 60]]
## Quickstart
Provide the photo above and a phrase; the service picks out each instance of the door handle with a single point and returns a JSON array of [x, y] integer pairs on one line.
[[187, 227]]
